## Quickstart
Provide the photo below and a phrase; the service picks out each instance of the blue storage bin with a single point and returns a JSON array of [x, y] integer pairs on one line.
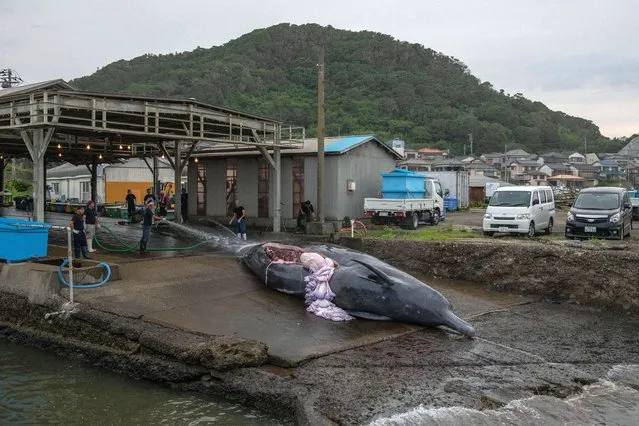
[[450, 203], [403, 184], [21, 240]]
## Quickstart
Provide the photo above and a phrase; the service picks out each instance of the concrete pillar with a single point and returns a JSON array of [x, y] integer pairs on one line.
[[37, 142], [177, 182]]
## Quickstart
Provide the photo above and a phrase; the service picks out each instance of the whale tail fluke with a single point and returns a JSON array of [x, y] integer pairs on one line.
[[459, 325]]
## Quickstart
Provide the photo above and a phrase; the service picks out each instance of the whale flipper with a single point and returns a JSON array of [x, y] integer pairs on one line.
[[368, 316]]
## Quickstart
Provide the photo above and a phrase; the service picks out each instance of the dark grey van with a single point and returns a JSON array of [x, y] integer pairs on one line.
[[601, 212]]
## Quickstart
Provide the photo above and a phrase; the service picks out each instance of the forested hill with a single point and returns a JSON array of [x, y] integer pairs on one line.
[[374, 84]]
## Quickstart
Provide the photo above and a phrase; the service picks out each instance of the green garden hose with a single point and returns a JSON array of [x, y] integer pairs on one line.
[[128, 249]]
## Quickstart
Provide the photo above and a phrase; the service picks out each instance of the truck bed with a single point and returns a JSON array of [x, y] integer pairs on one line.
[[397, 204]]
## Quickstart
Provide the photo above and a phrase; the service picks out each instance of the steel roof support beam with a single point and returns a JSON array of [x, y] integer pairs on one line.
[[276, 163]]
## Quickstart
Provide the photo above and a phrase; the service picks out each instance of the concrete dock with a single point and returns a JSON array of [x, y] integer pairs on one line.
[[318, 371]]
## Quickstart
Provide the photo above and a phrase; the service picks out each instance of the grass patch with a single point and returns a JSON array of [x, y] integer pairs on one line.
[[433, 233]]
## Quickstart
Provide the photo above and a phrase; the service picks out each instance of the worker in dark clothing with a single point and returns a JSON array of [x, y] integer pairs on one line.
[[130, 204], [147, 222], [184, 200], [306, 212], [239, 217], [149, 194], [79, 237]]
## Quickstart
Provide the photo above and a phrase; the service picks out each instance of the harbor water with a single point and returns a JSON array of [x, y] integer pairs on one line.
[[603, 403], [41, 388]]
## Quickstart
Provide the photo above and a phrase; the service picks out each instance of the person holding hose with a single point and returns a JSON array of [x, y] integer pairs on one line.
[[147, 222], [239, 217]]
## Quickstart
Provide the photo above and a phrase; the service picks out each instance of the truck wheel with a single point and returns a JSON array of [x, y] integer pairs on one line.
[[435, 217], [414, 221]]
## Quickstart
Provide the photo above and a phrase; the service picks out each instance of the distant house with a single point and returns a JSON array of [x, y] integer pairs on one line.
[[433, 154], [587, 171], [448, 165], [553, 158], [576, 158], [492, 158], [483, 170], [554, 169], [567, 180], [415, 165], [519, 167], [592, 158], [410, 153], [610, 170], [533, 178]]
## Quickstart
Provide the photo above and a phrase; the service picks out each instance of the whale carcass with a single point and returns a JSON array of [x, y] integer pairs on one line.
[[359, 284]]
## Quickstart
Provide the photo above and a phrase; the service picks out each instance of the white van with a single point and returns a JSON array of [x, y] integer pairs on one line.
[[520, 209]]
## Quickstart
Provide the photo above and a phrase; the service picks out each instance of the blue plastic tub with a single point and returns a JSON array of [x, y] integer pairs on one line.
[[403, 184], [21, 240], [450, 203]]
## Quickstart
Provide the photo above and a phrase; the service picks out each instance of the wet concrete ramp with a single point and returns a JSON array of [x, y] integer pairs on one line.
[[219, 296]]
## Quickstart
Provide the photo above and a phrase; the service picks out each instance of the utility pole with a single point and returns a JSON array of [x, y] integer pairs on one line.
[[320, 136], [585, 146], [470, 139]]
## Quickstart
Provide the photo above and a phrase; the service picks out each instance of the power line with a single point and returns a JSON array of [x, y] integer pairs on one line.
[[9, 78]]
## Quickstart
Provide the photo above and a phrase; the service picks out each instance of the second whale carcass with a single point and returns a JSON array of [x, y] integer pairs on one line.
[[340, 283]]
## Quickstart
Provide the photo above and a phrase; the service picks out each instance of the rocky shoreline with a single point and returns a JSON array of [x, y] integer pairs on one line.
[[242, 371]]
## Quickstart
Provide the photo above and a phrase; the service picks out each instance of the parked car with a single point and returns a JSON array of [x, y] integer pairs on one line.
[[602, 212], [520, 209]]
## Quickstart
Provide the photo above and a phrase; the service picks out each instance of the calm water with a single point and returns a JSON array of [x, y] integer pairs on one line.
[[40, 388], [603, 403]]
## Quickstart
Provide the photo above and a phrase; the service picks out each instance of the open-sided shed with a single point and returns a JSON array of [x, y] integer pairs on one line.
[[51, 120]]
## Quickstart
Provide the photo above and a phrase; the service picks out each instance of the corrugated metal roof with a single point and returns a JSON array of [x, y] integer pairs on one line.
[[344, 144], [50, 84], [332, 146]]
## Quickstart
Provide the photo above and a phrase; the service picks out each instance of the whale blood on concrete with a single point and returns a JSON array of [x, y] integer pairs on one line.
[[364, 286]]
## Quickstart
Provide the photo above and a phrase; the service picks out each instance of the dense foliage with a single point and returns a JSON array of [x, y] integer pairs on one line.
[[374, 84]]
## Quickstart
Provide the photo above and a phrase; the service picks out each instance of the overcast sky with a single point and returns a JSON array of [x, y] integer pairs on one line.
[[577, 56]]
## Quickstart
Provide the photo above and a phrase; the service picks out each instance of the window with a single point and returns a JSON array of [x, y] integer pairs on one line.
[[231, 185], [55, 187], [201, 189], [262, 188], [298, 184], [535, 197], [549, 195], [542, 197], [85, 191]]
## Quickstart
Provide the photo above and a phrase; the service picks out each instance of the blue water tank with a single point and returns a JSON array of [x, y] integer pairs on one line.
[[22, 240], [403, 184], [450, 203]]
